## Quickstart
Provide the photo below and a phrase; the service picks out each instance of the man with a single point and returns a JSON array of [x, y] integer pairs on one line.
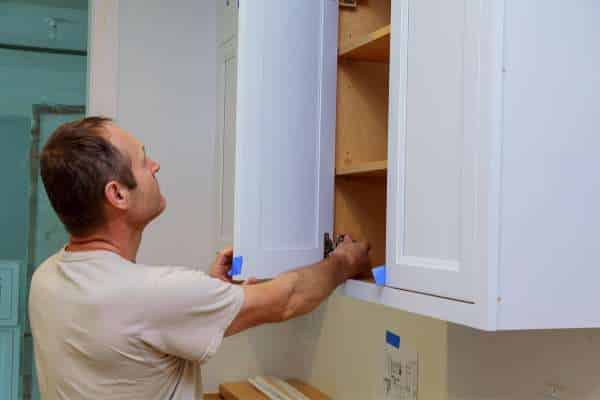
[[105, 327]]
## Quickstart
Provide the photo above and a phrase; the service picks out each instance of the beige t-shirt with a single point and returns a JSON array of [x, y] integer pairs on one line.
[[106, 328]]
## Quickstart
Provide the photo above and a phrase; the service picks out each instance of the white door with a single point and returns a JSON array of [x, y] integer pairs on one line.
[[225, 143], [287, 61], [432, 192]]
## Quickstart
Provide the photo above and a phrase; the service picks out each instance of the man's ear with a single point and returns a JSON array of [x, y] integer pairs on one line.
[[117, 195]]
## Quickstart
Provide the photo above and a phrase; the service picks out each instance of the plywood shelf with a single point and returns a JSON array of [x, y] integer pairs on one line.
[[374, 46], [373, 168]]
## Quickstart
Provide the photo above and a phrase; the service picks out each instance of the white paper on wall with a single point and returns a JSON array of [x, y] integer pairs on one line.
[[401, 369]]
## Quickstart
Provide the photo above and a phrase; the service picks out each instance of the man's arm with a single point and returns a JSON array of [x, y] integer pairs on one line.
[[299, 291]]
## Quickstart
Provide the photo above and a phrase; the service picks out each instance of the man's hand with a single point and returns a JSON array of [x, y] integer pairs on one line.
[[355, 256], [222, 265]]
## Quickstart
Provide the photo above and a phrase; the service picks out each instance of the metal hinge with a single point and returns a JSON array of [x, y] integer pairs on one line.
[[348, 3], [329, 243]]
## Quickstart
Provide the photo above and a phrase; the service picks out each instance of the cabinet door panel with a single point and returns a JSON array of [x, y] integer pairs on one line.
[[432, 196], [287, 58]]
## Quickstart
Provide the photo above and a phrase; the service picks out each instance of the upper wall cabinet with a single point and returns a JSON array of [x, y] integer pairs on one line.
[[493, 213], [459, 138]]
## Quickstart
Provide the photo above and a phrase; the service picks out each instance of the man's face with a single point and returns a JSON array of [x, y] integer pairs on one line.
[[146, 200]]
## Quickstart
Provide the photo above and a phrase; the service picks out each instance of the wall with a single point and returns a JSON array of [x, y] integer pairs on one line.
[[14, 173], [167, 98], [26, 79], [35, 78], [523, 365], [348, 343]]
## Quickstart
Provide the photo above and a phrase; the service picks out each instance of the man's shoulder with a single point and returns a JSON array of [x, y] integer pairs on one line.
[[47, 264]]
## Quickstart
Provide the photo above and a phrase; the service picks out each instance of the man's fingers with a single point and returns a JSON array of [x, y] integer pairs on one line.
[[250, 281]]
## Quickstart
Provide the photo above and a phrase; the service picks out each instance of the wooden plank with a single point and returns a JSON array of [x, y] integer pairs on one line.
[[245, 391], [369, 16], [213, 397], [374, 46], [373, 168], [309, 391]]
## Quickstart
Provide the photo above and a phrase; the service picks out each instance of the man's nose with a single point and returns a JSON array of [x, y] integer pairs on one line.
[[155, 167]]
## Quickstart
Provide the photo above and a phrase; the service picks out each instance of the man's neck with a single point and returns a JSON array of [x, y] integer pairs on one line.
[[124, 242]]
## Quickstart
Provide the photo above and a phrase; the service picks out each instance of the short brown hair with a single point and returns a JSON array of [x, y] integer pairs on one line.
[[76, 164]]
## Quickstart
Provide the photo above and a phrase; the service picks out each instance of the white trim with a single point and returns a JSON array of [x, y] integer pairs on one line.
[[103, 58], [430, 263], [443, 309]]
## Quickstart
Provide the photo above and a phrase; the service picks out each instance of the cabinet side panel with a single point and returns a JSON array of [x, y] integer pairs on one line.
[[551, 190]]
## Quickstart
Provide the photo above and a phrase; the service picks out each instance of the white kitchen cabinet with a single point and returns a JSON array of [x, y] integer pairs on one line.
[[471, 171]]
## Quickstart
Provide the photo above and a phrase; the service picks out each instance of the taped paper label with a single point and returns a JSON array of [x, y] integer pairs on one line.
[[401, 370]]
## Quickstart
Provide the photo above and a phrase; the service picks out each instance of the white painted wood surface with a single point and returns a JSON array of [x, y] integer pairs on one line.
[[432, 148], [225, 143], [103, 60], [551, 161], [287, 62], [228, 17]]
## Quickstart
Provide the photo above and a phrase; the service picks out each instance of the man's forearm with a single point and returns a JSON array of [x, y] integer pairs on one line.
[[312, 284]]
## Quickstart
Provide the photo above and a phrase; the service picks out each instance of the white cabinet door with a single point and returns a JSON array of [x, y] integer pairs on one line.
[[228, 16], [225, 143], [432, 194], [287, 60]]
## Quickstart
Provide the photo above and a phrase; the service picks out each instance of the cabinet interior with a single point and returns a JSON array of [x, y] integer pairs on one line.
[[362, 123]]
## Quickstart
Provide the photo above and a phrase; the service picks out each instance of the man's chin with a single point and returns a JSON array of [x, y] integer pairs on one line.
[[163, 205]]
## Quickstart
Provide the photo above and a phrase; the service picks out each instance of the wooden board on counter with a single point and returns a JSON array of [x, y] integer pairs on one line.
[[245, 391]]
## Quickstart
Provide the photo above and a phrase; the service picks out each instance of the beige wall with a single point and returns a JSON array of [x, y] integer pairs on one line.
[[338, 349], [346, 356], [523, 365]]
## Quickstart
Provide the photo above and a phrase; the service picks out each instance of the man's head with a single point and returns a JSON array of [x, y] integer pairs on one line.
[[95, 173]]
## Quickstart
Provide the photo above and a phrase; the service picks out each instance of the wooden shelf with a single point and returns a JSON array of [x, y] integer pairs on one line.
[[373, 168], [374, 46]]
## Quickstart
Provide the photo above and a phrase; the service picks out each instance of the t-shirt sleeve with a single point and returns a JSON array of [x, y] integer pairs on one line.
[[188, 312]]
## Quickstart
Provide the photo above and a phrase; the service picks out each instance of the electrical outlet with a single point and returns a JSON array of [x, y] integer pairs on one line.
[[401, 370]]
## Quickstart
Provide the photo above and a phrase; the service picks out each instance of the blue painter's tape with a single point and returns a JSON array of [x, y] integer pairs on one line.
[[236, 266], [392, 339], [379, 275]]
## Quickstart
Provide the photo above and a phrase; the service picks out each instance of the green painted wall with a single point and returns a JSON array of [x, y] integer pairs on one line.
[[28, 78], [14, 170]]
